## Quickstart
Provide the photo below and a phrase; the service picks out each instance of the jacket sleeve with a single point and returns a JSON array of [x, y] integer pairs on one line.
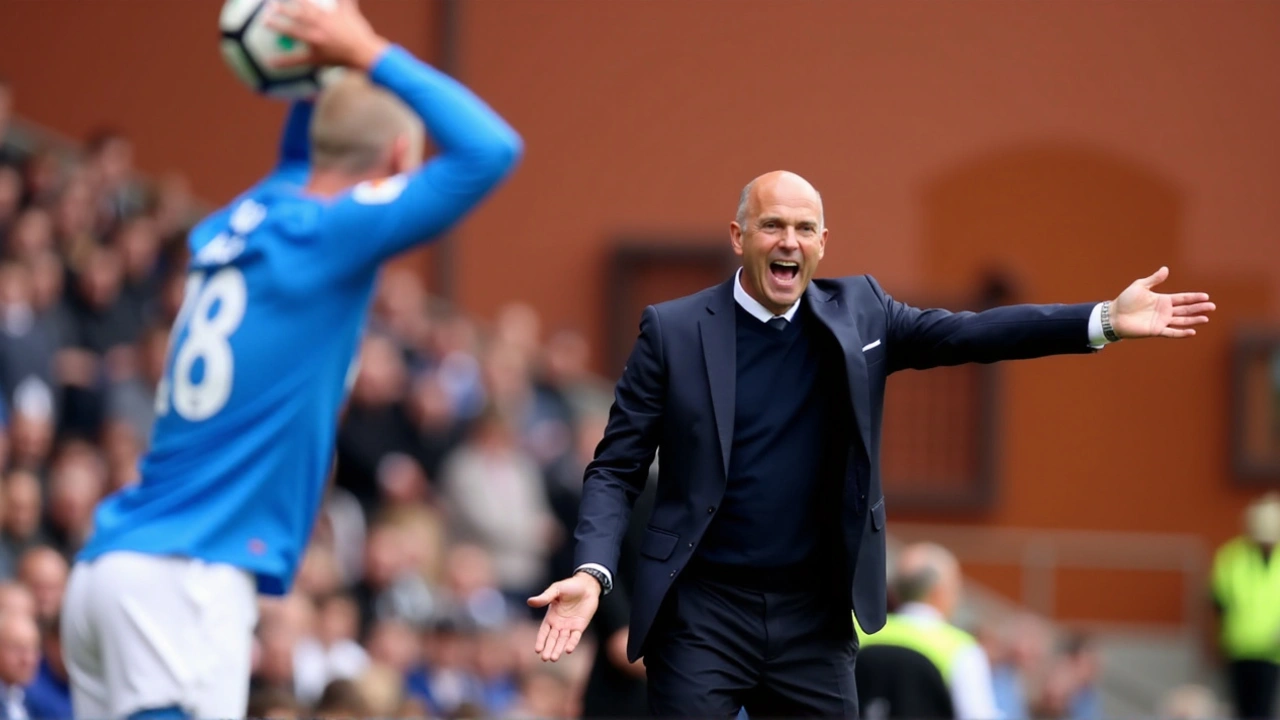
[[918, 339], [617, 474]]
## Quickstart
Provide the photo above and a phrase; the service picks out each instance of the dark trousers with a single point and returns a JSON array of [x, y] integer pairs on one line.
[[1253, 688], [716, 648]]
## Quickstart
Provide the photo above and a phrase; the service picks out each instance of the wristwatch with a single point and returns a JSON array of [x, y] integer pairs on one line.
[[606, 585], [1107, 331]]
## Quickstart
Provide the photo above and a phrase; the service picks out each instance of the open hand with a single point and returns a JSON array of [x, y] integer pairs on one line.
[[570, 603], [1139, 312], [333, 36]]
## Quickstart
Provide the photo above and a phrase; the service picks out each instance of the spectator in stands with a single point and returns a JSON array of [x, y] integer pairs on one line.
[[109, 153], [1082, 664], [44, 571], [9, 154], [137, 241], [444, 681], [497, 499], [77, 481], [10, 196], [1191, 702], [23, 513], [927, 582], [377, 422], [49, 695], [31, 432], [132, 399], [16, 599], [27, 346], [19, 661], [341, 700], [1246, 593], [272, 702], [331, 652], [30, 234]]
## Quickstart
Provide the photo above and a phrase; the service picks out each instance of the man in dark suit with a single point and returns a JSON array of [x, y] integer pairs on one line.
[[764, 395]]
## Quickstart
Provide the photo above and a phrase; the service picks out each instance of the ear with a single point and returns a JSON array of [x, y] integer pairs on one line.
[[735, 237], [822, 244], [406, 156]]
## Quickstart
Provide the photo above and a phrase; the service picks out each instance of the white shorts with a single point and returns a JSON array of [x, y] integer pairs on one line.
[[144, 632]]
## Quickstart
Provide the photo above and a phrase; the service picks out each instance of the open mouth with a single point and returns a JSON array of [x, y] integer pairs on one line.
[[784, 271]]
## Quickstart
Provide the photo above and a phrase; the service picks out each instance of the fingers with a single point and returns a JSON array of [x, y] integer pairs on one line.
[[544, 630], [546, 598], [295, 19], [574, 637], [1182, 322], [562, 639], [1172, 332], [295, 60], [1158, 277], [1193, 308], [1188, 298]]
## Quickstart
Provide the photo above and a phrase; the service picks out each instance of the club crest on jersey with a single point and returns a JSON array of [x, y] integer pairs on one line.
[[380, 191]]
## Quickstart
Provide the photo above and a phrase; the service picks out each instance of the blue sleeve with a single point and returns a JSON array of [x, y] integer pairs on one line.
[[477, 150], [294, 161]]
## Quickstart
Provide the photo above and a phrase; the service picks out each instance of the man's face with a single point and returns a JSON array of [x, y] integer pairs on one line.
[[781, 240]]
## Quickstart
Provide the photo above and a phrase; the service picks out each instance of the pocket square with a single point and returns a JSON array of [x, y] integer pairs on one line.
[[869, 346]]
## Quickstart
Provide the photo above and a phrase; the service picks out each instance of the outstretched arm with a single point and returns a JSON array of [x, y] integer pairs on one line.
[[613, 481], [617, 475], [920, 339]]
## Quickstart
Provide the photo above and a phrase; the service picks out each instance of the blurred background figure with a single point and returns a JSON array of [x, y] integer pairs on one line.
[[1246, 593], [920, 665], [19, 663]]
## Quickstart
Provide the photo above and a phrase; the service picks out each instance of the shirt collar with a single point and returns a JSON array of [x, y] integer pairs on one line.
[[920, 611], [754, 307]]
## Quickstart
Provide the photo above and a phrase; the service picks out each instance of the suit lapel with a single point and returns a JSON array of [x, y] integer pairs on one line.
[[830, 308], [719, 345]]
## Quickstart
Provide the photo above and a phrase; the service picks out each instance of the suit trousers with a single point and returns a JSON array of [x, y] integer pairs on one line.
[[1253, 688], [716, 648]]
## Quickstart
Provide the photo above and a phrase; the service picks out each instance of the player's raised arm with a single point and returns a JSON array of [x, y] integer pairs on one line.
[[295, 144], [362, 138]]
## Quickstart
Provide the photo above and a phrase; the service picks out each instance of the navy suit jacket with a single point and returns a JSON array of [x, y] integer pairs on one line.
[[676, 395]]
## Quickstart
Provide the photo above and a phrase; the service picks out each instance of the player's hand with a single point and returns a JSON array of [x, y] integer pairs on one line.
[[570, 603], [338, 36], [1139, 312]]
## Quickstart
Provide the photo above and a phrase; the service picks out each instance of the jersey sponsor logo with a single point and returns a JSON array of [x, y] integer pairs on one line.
[[220, 250], [380, 191]]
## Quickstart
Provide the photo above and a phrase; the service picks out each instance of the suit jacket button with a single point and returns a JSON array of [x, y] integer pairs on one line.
[[690, 546], [673, 573], [711, 509]]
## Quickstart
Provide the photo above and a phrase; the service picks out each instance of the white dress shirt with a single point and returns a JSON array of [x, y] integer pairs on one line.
[[761, 313], [972, 691]]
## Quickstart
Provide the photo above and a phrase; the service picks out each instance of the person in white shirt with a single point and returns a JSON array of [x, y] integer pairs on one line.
[[927, 584]]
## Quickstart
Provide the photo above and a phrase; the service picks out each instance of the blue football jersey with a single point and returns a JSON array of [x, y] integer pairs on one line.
[[260, 355]]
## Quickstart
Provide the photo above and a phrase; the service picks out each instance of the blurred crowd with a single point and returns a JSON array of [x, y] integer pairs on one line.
[[453, 497]]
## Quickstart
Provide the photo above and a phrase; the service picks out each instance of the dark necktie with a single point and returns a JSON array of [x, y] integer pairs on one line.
[[778, 323]]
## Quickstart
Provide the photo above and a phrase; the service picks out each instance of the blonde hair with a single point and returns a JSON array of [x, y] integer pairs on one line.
[[355, 124]]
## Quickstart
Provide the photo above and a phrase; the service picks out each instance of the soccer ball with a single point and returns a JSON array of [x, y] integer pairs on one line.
[[249, 48]]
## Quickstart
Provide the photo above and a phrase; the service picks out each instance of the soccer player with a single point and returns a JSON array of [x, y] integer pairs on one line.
[[161, 604]]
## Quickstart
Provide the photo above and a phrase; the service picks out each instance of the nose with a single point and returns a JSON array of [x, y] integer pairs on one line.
[[789, 239]]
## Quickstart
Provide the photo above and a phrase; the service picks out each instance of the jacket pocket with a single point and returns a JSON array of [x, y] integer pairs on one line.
[[877, 515], [658, 544]]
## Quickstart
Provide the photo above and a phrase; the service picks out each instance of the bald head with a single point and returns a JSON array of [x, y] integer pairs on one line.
[[359, 129], [779, 233], [16, 599], [928, 573], [19, 649], [771, 184]]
